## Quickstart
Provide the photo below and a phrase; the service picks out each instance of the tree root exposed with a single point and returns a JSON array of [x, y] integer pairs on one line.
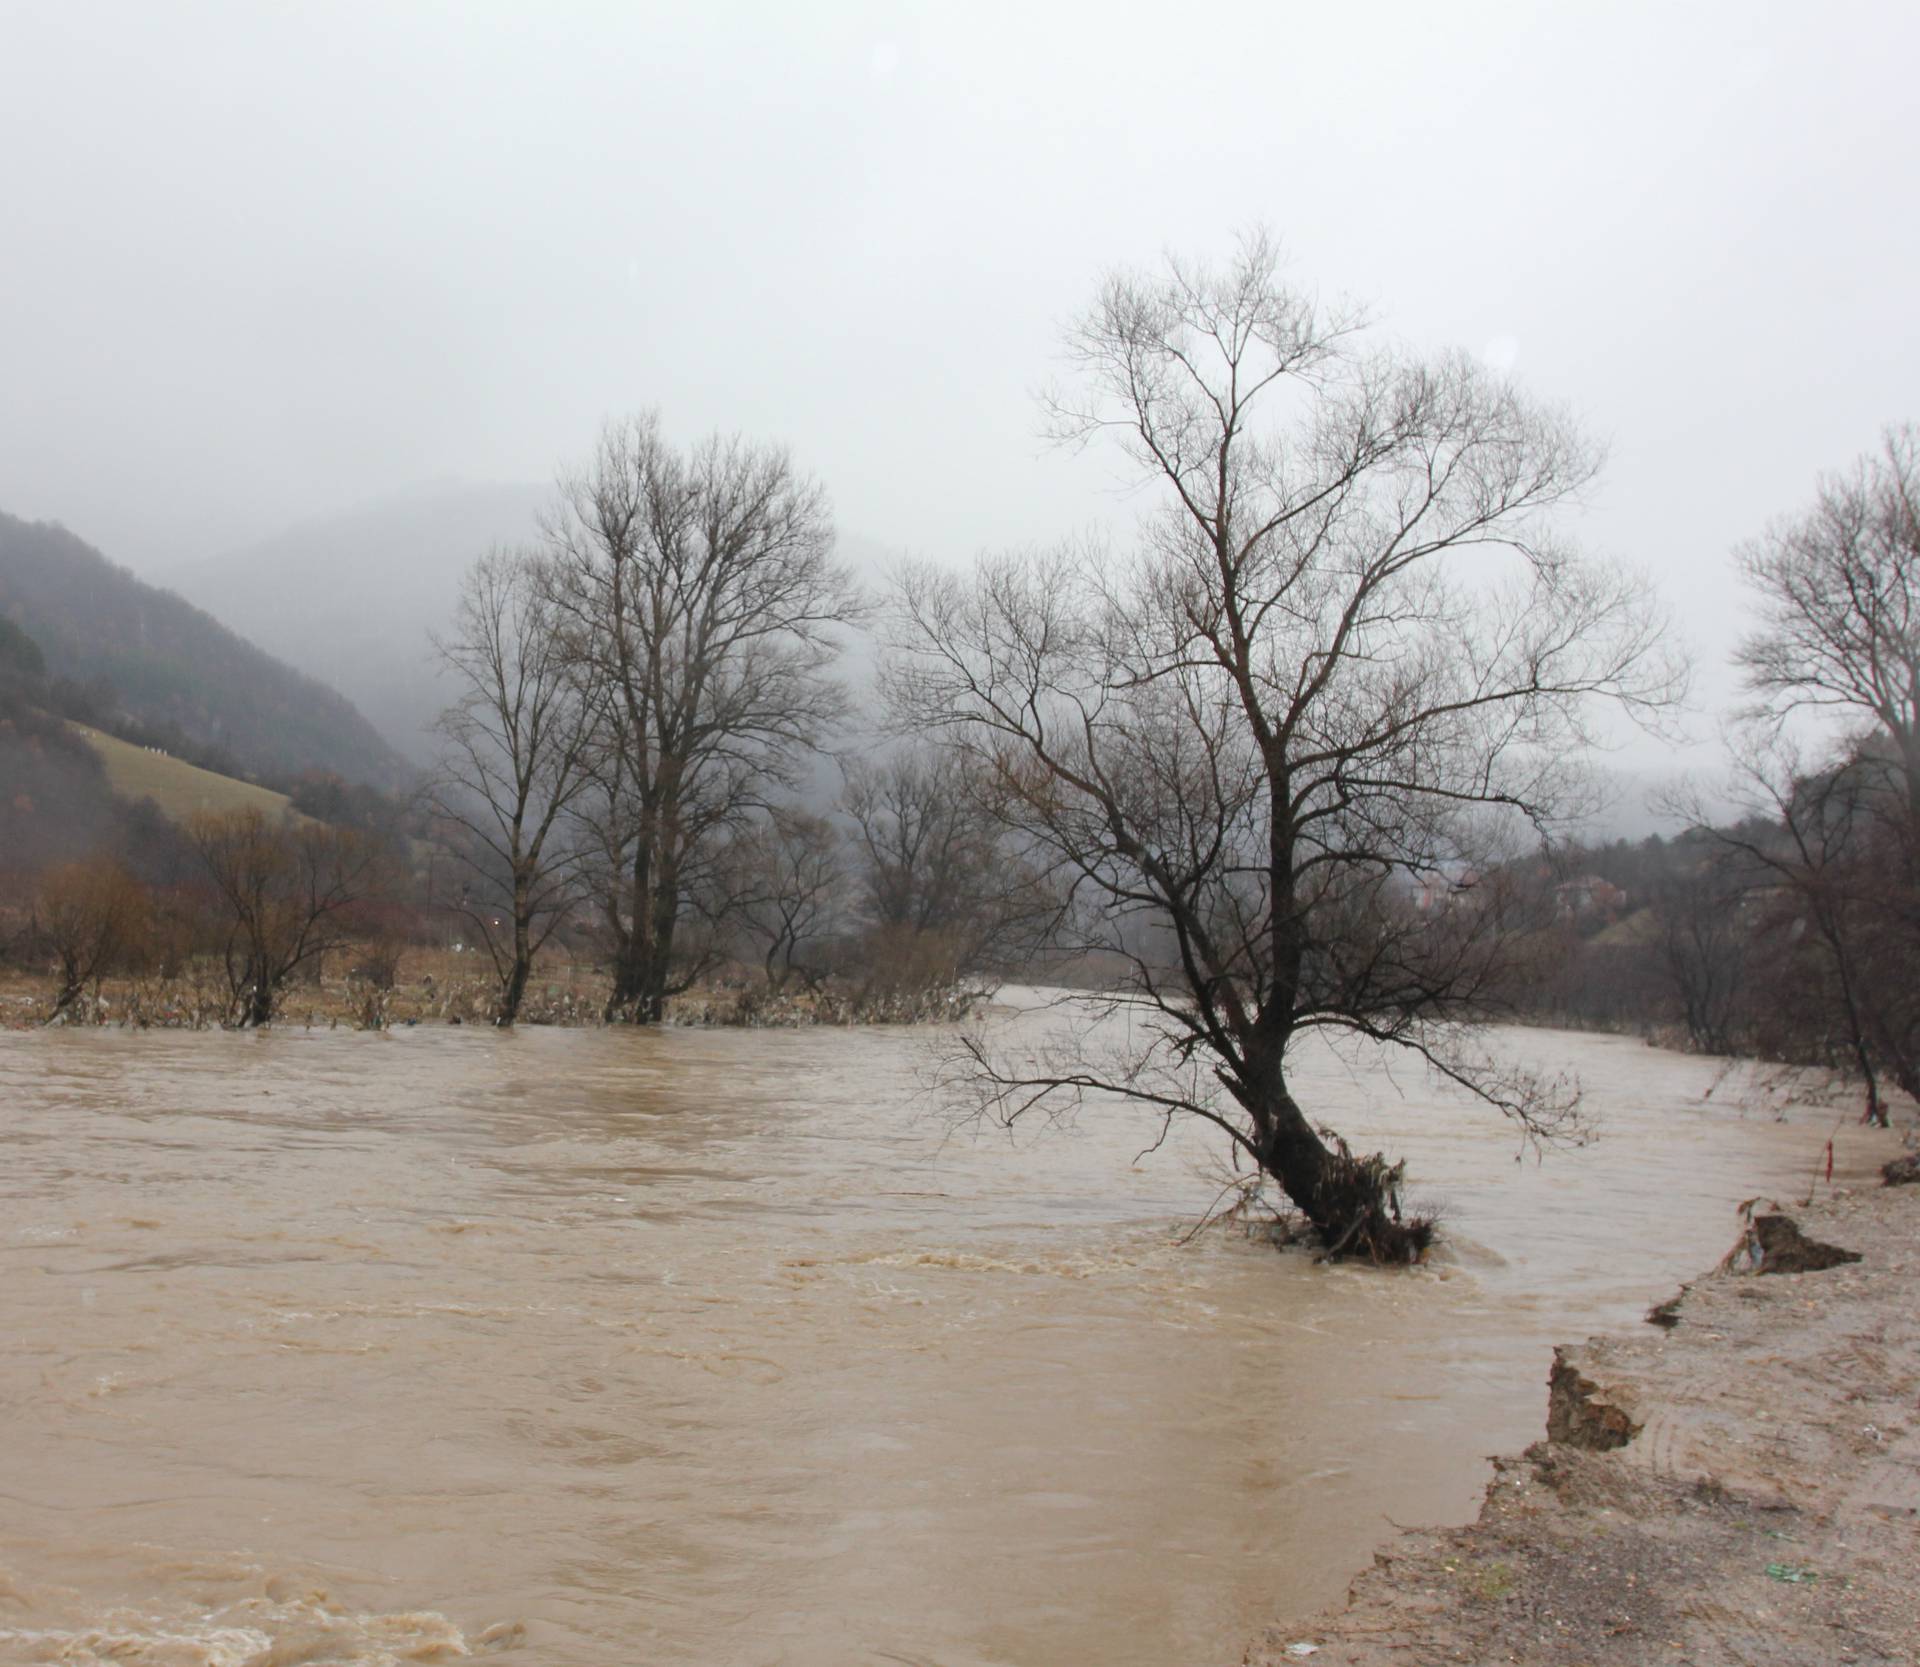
[[1356, 1210]]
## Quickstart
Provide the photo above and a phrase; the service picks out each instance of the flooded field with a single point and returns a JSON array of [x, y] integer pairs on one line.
[[590, 1349]]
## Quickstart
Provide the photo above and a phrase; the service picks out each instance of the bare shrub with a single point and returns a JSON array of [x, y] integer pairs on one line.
[[93, 916]]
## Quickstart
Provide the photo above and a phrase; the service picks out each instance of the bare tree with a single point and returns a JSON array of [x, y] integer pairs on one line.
[[516, 758], [701, 588], [284, 887], [788, 885], [92, 914], [1826, 846], [935, 858], [1839, 594], [1346, 646], [1706, 943]]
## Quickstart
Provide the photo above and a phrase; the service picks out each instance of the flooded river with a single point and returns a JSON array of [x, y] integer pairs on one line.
[[716, 1347]]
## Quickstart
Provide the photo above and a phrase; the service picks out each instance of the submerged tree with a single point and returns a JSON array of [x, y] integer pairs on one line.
[[284, 888], [941, 883], [92, 914], [700, 588], [785, 884], [1345, 649], [518, 747]]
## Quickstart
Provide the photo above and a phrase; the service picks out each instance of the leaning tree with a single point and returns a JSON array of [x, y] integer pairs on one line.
[[1345, 651]]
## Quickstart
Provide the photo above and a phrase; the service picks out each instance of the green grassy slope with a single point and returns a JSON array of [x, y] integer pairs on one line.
[[178, 788]]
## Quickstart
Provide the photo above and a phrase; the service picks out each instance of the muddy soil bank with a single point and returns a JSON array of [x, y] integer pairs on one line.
[[1741, 1485]]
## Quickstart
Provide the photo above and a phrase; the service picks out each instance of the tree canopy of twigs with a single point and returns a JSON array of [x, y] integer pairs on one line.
[[92, 914], [1346, 648], [700, 590], [516, 756], [1830, 842], [1838, 588], [283, 888]]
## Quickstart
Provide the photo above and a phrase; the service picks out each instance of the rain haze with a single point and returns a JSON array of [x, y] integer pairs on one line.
[[272, 264], [849, 832]]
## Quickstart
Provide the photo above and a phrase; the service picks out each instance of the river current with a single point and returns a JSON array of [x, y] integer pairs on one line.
[[594, 1348]]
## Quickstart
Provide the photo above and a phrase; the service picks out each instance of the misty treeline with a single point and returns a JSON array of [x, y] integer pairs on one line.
[[1301, 761], [1791, 929], [641, 754], [206, 920]]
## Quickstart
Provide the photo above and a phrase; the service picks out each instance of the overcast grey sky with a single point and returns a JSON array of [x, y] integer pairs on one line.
[[263, 262]]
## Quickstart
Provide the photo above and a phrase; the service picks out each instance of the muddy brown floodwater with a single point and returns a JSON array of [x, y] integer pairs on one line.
[[597, 1349]]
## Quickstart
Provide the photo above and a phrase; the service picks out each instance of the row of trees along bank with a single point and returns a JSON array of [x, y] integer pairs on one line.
[[1348, 647], [1790, 928], [1289, 763], [895, 908], [644, 698]]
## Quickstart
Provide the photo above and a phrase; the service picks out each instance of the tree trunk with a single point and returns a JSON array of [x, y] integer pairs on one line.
[[70, 988], [641, 956], [639, 994], [629, 977], [514, 991], [643, 959], [259, 1002], [1353, 1203]]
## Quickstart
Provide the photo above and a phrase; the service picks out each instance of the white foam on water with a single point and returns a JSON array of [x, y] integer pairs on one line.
[[252, 1633]]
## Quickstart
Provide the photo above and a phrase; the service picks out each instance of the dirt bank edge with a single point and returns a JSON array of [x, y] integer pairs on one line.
[[1740, 1486]]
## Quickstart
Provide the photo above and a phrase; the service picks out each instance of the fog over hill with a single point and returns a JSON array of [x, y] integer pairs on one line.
[[145, 655], [355, 598], [352, 598]]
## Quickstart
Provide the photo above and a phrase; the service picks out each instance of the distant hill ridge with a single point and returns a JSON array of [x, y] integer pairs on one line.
[[154, 658], [354, 598]]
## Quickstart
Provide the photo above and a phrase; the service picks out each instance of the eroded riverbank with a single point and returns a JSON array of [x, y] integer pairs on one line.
[[715, 1347], [1763, 1505]]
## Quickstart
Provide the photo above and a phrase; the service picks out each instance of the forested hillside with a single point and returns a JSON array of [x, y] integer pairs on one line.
[[141, 661]]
